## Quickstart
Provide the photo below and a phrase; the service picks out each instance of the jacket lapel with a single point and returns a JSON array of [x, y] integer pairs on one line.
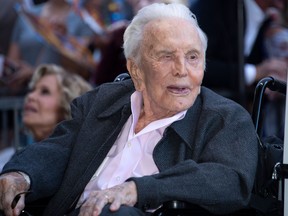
[[87, 156], [177, 142]]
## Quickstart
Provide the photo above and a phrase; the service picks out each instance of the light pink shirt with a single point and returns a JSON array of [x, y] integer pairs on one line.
[[131, 154]]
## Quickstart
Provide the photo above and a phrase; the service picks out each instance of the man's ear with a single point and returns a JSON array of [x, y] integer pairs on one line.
[[129, 65], [134, 73]]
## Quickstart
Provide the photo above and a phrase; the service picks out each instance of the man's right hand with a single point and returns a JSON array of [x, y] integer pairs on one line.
[[12, 184], [276, 68]]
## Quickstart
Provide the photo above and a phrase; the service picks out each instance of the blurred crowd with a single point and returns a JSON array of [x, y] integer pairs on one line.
[[84, 38]]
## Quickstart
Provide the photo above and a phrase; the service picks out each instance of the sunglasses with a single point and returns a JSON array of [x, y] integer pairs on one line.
[[15, 201]]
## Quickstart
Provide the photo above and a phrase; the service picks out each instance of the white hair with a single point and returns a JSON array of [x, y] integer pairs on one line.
[[134, 32]]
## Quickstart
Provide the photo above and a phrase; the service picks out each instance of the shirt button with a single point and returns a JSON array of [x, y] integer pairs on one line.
[[118, 178], [129, 144]]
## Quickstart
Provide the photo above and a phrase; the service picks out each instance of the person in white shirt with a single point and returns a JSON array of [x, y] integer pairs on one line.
[[236, 60]]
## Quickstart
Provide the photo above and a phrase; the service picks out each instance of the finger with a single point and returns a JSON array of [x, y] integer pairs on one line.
[[6, 200], [20, 205], [115, 205], [93, 206], [86, 208], [99, 205]]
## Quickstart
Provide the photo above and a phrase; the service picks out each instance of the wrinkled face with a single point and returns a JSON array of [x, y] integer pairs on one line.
[[42, 104], [171, 68]]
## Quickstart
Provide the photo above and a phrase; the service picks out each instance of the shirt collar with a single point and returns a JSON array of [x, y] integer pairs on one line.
[[136, 105]]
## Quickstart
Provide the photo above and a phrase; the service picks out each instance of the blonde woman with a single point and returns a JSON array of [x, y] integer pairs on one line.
[[48, 102]]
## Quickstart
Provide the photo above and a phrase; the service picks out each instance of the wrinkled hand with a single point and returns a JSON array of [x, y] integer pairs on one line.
[[124, 194], [273, 95], [20, 78], [276, 68], [12, 184]]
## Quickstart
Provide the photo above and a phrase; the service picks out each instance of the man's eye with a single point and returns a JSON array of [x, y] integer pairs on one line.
[[192, 57], [166, 57]]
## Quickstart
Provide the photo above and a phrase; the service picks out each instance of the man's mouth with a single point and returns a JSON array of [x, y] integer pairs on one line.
[[178, 90]]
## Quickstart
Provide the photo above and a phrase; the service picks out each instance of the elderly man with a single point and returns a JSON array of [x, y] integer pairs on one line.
[[133, 145]]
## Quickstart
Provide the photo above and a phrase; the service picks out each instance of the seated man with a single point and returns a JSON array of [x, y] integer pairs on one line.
[[135, 144]]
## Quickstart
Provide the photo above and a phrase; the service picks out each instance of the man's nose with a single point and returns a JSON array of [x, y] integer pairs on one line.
[[180, 67]]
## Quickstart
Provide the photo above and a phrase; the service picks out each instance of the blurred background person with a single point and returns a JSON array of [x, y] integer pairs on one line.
[[52, 89], [236, 56], [28, 48], [236, 59], [8, 17], [276, 35]]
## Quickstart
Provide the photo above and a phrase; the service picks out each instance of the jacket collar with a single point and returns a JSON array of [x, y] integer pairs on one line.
[[184, 127]]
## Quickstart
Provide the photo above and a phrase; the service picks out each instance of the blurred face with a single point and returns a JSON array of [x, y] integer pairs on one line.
[[42, 106], [93, 4], [138, 4], [172, 66]]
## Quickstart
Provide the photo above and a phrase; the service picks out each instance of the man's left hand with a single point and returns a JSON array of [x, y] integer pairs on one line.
[[123, 194]]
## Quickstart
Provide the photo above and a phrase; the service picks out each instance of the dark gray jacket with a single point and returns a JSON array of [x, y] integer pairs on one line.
[[208, 158]]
